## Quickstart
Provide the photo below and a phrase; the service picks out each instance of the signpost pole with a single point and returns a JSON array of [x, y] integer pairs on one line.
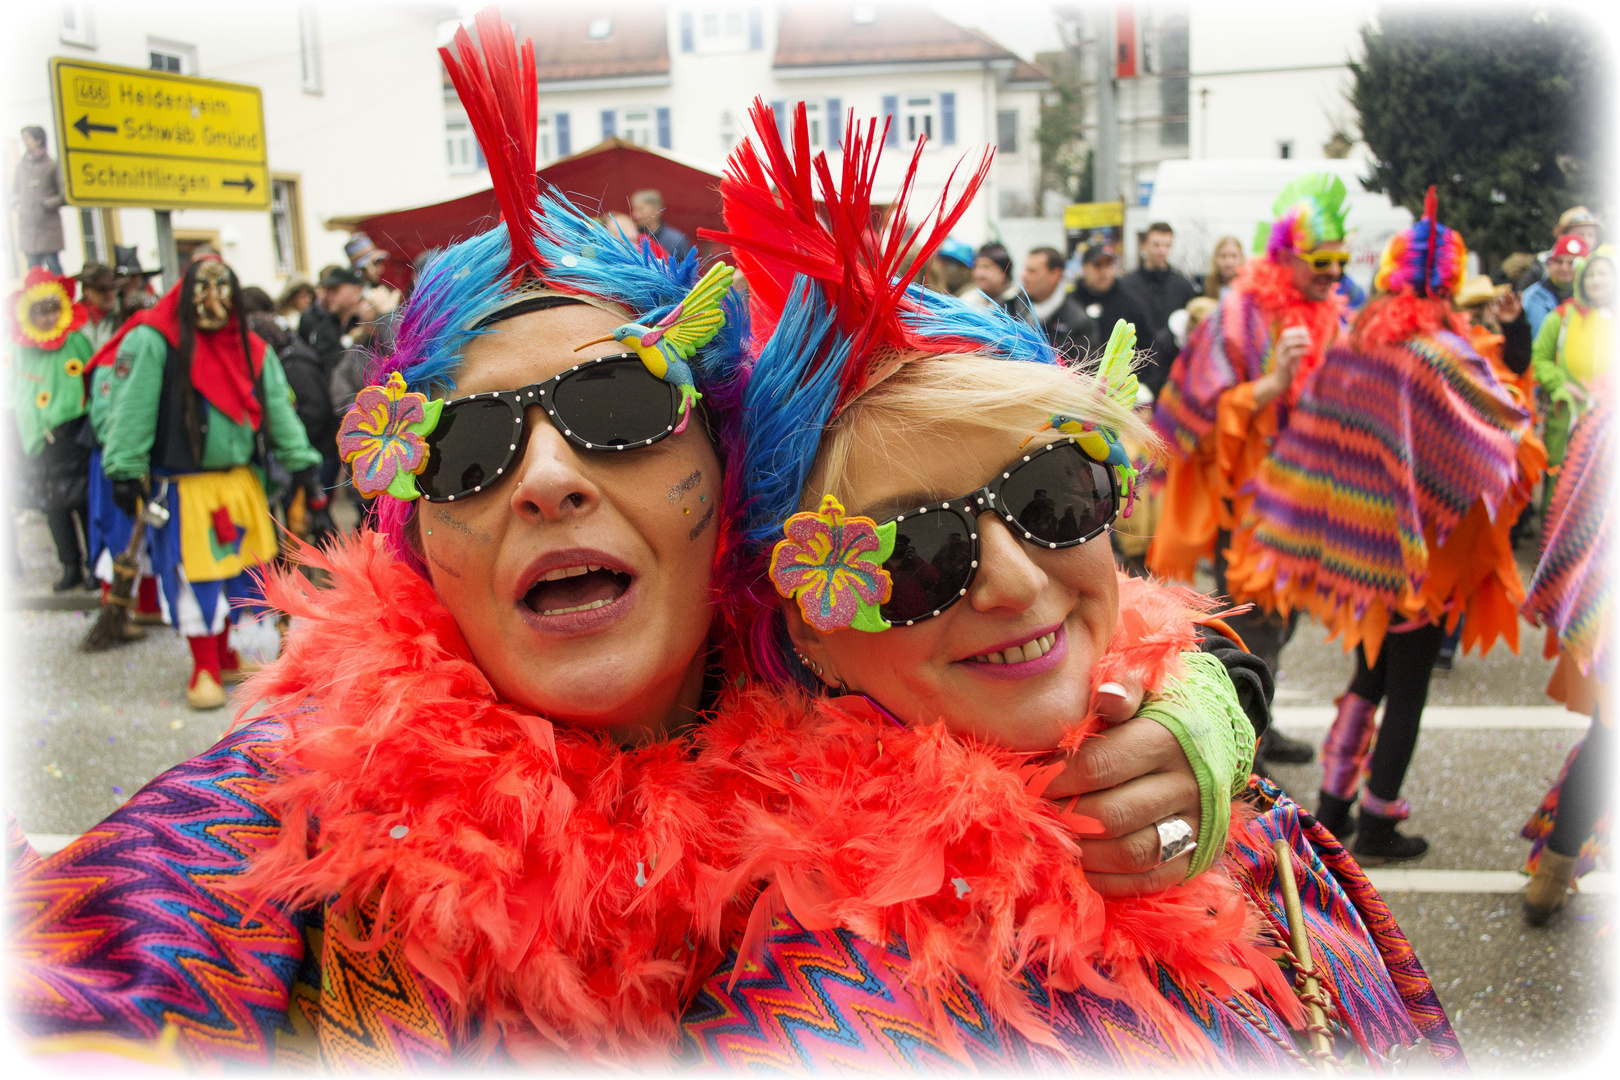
[[168, 254]]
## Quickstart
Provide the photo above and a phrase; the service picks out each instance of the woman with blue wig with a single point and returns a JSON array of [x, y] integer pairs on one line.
[[475, 822]]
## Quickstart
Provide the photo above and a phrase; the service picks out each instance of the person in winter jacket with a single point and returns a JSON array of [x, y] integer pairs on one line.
[[1573, 349]]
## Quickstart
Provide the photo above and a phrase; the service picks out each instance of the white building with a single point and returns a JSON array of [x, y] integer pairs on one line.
[[359, 117], [681, 78], [352, 111]]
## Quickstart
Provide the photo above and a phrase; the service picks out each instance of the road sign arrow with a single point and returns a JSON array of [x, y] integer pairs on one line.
[[85, 127], [246, 184]]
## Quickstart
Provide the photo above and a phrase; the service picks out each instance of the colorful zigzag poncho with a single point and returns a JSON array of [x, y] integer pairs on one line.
[[1389, 496]]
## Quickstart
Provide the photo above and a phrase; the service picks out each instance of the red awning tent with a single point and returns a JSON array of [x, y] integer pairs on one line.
[[598, 180]]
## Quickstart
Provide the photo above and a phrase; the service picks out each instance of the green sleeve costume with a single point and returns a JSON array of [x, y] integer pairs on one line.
[[133, 411], [1200, 708], [47, 388]]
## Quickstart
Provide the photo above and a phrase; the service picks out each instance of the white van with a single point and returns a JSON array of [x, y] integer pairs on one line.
[[1206, 200]]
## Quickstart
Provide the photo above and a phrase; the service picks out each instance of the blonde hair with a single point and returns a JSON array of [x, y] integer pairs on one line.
[[1213, 282], [972, 392]]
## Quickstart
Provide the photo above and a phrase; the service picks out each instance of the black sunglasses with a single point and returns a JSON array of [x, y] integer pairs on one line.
[[610, 403], [1055, 497]]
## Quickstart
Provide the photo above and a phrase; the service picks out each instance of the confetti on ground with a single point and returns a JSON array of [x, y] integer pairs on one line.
[[117, 790], [176, 725]]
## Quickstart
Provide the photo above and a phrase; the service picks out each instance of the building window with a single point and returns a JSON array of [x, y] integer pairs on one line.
[[723, 29], [636, 125], [171, 56], [542, 139], [1007, 131], [1285, 149], [286, 225], [461, 149], [1165, 44], [599, 29], [565, 142], [728, 132], [78, 25], [309, 50], [918, 117]]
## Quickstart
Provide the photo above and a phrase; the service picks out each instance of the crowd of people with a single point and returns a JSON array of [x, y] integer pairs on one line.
[[730, 676]]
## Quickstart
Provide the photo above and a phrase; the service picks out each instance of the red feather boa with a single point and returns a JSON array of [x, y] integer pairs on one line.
[[515, 887], [855, 823], [1399, 316], [1272, 286]]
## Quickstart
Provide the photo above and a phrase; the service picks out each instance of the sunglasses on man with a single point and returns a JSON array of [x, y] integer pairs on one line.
[[1321, 262]]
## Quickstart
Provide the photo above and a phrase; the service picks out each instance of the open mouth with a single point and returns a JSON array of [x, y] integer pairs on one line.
[[564, 590], [1033, 649]]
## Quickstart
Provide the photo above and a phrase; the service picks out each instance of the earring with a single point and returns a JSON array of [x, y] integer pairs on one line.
[[815, 668]]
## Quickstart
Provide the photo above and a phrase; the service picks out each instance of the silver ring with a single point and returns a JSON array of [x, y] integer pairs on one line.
[[1176, 838]]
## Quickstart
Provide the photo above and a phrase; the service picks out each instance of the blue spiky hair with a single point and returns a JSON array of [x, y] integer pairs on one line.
[[835, 311]]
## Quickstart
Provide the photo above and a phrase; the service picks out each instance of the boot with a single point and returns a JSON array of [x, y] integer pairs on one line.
[[65, 536], [1334, 814], [147, 611], [230, 664], [1349, 739], [1377, 841], [72, 577], [205, 690], [1549, 886], [1275, 746]]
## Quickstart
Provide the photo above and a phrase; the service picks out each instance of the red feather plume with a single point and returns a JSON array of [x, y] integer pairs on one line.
[[777, 230], [498, 88]]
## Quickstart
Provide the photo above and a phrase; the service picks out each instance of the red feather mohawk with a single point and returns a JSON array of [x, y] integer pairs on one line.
[[778, 230], [500, 92]]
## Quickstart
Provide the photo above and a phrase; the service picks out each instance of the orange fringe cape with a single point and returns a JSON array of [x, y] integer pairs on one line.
[[1204, 489]]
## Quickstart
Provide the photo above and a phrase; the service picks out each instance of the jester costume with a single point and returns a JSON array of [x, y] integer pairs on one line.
[[1569, 595], [193, 406], [915, 903], [1385, 508], [1215, 431], [48, 354]]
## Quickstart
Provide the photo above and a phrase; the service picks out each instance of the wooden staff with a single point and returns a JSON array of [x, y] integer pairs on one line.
[[108, 629], [1306, 984]]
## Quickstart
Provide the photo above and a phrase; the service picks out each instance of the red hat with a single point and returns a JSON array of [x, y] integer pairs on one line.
[[1571, 245]]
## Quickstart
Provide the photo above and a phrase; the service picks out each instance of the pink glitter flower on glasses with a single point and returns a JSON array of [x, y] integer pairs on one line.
[[833, 566], [383, 438]]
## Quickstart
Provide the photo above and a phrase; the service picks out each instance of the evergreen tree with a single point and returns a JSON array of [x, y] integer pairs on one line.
[[1505, 110]]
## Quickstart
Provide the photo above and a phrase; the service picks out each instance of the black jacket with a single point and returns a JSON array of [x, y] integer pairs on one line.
[[308, 381], [1109, 307], [323, 332], [1161, 292], [1070, 330]]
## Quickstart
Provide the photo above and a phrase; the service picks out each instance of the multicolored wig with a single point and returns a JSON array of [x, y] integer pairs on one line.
[[834, 314], [1310, 212], [1428, 259], [545, 244]]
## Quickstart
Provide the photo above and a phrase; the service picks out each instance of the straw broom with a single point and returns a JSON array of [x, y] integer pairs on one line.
[[108, 629]]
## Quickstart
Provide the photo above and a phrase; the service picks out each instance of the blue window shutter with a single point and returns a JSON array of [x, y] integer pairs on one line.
[[565, 144], [835, 124], [687, 37], [891, 115], [756, 28], [779, 110], [663, 128], [609, 128], [947, 119]]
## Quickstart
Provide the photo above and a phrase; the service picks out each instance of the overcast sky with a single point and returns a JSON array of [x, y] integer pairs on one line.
[[1023, 26]]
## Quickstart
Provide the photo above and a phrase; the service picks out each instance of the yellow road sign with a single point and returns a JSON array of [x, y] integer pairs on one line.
[[129, 137], [1093, 215]]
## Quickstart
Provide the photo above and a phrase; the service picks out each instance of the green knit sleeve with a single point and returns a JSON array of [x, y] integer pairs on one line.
[[1544, 354], [1200, 708]]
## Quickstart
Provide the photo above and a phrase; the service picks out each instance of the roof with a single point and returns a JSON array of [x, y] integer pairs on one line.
[[1025, 72], [598, 178], [635, 42], [815, 34]]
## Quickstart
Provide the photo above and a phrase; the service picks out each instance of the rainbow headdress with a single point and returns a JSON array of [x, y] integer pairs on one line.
[[544, 243], [1426, 260], [834, 311], [1309, 212]]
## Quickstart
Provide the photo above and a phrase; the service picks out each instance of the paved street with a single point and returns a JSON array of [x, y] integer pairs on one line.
[[86, 731]]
